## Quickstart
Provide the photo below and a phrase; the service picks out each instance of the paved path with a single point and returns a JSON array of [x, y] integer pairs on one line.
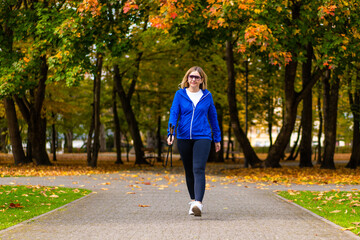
[[232, 211]]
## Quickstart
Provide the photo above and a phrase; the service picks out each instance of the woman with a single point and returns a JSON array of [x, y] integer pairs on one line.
[[193, 105]]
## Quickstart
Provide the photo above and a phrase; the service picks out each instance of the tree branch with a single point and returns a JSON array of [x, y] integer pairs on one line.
[[314, 78], [22, 104], [40, 91]]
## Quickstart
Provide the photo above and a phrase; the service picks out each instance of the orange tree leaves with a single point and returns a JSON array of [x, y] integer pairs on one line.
[[91, 6], [264, 27], [130, 5]]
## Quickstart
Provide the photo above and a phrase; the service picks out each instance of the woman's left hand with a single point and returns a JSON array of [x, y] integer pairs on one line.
[[217, 147]]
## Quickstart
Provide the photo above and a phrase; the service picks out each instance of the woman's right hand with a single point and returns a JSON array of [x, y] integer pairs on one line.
[[170, 140]]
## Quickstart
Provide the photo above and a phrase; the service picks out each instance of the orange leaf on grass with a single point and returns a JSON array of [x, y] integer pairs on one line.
[[15, 205]]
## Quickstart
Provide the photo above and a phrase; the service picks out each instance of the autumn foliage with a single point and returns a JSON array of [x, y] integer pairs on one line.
[[215, 172]]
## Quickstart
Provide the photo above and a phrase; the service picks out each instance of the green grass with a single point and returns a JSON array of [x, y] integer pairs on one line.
[[342, 208], [20, 203]]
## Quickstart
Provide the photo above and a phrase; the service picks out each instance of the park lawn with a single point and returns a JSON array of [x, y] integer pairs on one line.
[[20, 203], [340, 207]]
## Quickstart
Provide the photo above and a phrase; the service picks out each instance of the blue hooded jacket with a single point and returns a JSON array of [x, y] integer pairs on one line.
[[194, 122]]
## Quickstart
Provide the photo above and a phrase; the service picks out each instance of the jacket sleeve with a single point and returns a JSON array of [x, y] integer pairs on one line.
[[174, 112], [212, 115]]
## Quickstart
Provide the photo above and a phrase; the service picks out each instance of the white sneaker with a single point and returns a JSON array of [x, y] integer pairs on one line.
[[191, 206], [196, 208]]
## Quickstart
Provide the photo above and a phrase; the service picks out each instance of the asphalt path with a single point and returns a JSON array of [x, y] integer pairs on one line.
[[150, 205]]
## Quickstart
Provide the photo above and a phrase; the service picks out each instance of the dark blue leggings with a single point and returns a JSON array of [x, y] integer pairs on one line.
[[194, 154]]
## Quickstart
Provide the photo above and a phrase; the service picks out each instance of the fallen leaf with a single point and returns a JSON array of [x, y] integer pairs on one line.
[[336, 211], [130, 193], [104, 189], [15, 205], [54, 196], [348, 229], [140, 205], [105, 183]]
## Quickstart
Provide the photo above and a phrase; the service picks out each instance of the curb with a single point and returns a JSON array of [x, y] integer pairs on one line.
[[351, 234], [42, 215]]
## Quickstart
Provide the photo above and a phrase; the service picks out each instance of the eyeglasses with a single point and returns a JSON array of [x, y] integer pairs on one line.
[[197, 78]]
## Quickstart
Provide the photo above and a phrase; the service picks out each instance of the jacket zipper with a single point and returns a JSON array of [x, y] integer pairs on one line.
[[192, 117]]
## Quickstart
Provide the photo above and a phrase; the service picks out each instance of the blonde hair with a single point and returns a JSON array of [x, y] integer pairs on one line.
[[184, 83]]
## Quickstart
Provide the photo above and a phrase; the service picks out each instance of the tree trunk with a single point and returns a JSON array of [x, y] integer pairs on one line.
[[270, 119], [129, 113], [69, 136], [319, 160], [355, 151], [276, 152], [92, 162], [127, 147], [28, 149], [151, 139], [249, 152], [38, 140], [89, 143], [38, 123], [3, 136], [306, 118], [246, 162], [102, 138], [53, 139], [220, 113], [13, 125], [355, 108], [331, 95], [291, 156], [158, 137], [229, 143], [32, 112], [117, 130]]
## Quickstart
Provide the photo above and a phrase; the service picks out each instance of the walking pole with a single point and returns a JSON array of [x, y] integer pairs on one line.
[[170, 146], [171, 149]]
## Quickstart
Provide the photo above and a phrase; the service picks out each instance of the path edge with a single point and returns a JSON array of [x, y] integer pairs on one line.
[[348, 232], [44, 214]]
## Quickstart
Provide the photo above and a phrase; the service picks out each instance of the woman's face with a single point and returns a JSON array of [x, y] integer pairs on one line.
[[194, 79]]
